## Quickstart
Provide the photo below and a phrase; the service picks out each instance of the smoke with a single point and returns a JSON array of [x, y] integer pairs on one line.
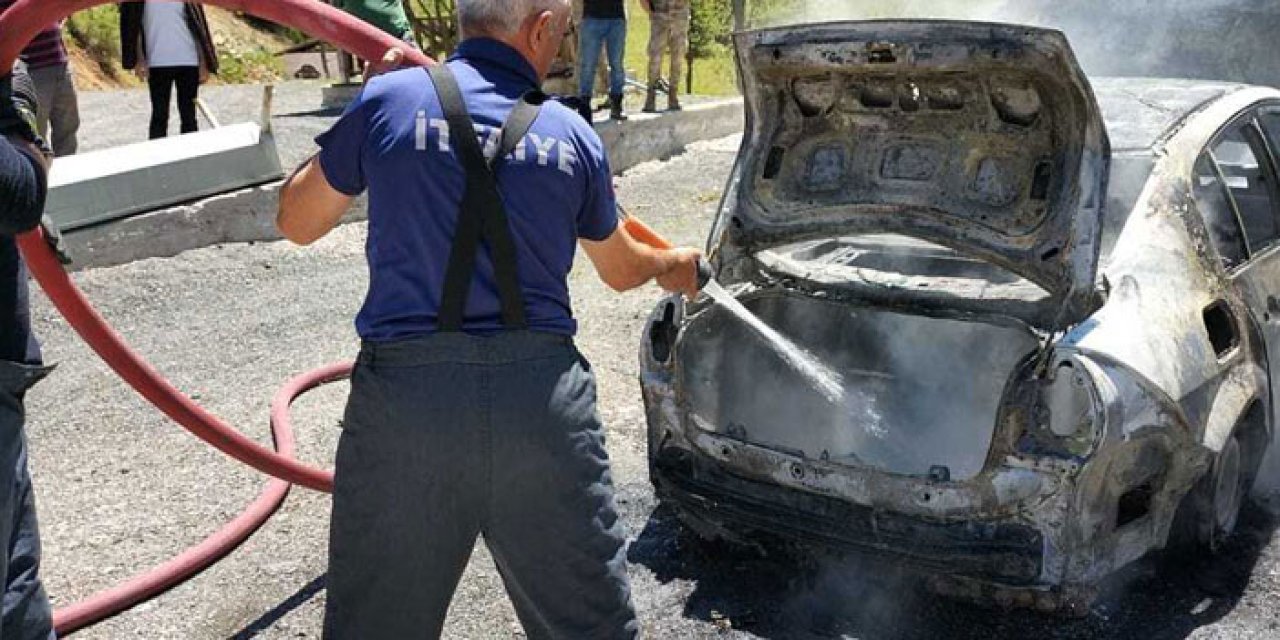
[[1208, 39], [829, 10]]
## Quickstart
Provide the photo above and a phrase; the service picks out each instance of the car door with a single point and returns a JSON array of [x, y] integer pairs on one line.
[[1245, 166]]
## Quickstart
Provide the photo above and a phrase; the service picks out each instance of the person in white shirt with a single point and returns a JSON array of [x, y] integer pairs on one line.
[[168, 45]]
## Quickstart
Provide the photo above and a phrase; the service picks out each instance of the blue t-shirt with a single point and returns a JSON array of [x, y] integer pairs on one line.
[[394, 141]]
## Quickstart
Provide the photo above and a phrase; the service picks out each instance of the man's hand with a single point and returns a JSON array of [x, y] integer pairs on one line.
[[141, 70], [682, 277], [391, 60], [39, 154], [204, 73]]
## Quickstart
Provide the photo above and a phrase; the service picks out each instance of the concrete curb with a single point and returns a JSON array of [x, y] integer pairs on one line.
[[248, 215], [646, 137]]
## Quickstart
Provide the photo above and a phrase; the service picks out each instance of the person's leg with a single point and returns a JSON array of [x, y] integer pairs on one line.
[[64, 114], [14, 328], [588, 55], [679, 39], [657, 44], [552, 498], [160, 83], [45, 91], [616, 43], [406, 501], [17, 341], [657, 40], [25, 610], [188, 81]]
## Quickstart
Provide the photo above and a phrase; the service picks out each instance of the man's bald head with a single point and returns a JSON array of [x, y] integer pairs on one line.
[[535, 28], [502, 19]]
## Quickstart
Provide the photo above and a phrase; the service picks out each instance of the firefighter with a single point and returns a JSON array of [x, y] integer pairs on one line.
[[471, 411]]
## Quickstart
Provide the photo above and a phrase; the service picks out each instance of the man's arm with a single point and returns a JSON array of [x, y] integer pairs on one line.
[[312, 201], [625, 263], [23, 166], [22, 186], [309, 206], [648, 8]]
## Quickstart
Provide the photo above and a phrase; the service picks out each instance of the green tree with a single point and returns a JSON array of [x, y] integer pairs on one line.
[[711, 27]]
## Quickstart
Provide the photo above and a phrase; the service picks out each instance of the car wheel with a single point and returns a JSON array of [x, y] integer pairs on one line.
[[1228, 491], [1209, 512]]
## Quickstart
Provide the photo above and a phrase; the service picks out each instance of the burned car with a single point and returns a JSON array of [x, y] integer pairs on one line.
[[1052, 302]]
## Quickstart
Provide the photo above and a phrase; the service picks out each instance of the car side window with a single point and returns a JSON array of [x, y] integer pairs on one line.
[[1269, 118], [1214, 204], [1240, 154]]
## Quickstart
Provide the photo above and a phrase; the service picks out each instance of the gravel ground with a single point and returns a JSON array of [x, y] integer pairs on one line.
[[122, 489]]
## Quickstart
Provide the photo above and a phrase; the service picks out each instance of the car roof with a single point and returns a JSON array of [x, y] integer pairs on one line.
[[1138, 111]]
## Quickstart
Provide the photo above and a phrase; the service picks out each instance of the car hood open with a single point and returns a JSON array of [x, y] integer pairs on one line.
[[985, 138]]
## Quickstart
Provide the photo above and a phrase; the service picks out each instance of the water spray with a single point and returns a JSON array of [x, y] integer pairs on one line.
[[824, 379]]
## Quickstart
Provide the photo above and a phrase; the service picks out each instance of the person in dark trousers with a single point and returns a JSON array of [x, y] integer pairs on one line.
[[25, 612], [604, 22], [168, 44], [58, 120], [471, 411]]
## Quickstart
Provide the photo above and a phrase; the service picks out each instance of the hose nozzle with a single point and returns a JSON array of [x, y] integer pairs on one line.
[[706, 273]]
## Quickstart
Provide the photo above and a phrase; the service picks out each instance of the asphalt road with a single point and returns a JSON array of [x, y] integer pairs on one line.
[[121, 489]]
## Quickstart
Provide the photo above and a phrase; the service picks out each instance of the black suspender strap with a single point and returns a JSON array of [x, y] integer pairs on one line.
[[483, 215]]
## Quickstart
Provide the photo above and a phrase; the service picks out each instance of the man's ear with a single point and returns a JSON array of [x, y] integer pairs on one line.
[[540, 34]]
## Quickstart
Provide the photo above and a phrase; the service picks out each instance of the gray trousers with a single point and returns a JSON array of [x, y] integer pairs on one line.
[[59, 114], [452, 436], [25, 613]]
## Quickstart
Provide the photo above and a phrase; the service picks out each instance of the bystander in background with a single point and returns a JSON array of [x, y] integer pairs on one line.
[[387, 15], [46, 58], [168, 44], [603, 22], [668, 32]]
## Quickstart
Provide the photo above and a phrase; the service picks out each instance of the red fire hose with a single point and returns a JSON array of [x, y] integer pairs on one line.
[[20, 23]]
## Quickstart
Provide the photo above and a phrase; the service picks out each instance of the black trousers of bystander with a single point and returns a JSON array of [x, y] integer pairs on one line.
[[162, 81]]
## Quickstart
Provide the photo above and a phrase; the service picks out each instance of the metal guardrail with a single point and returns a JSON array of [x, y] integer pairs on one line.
[[101, 186]]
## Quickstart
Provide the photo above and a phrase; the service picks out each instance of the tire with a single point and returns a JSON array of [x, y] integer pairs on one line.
[[1209, 513]]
